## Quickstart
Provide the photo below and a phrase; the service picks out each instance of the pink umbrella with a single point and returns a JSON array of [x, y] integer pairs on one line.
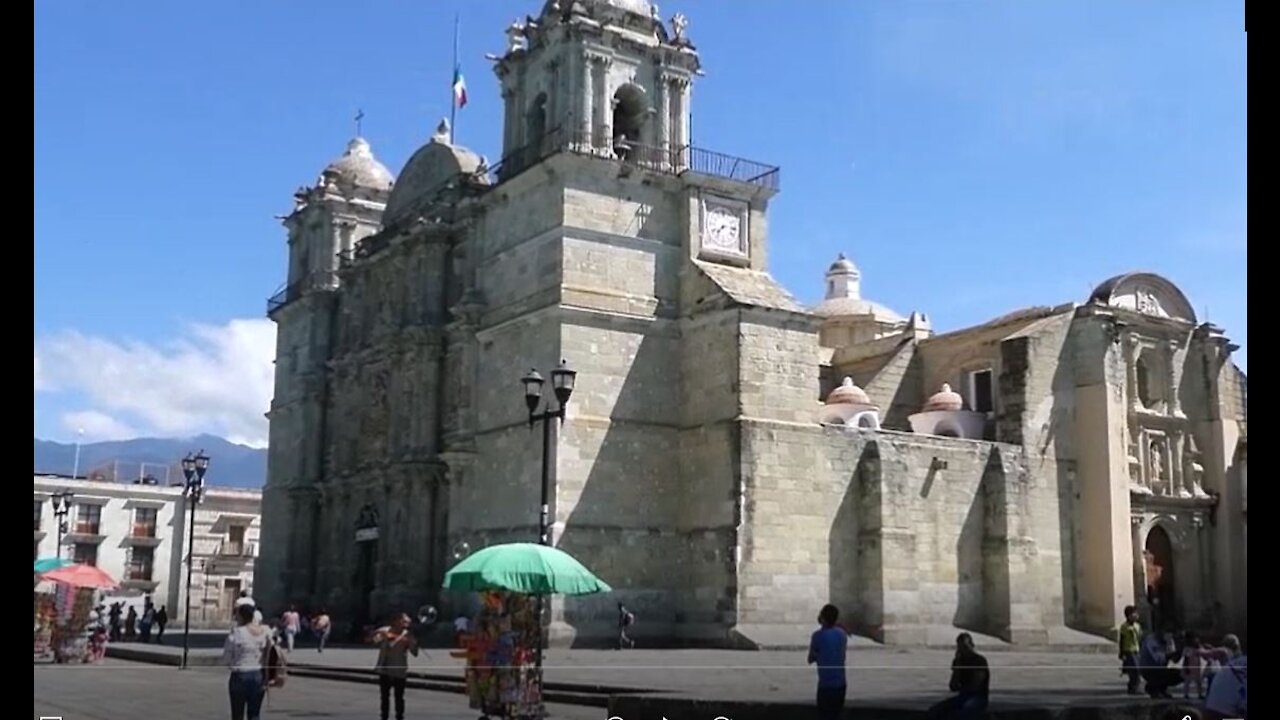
[[85, 576]]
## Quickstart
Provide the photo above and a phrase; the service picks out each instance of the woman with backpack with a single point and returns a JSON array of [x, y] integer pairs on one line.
[[247, 649]]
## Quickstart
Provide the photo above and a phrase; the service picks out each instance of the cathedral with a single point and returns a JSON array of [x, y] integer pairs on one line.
[[730, 459]]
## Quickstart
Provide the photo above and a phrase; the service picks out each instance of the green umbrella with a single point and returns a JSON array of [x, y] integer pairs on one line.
[[525, 568], [44, 565]]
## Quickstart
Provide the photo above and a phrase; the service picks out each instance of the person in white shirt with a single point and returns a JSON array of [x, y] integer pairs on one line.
[[242, 653], [245, 599]]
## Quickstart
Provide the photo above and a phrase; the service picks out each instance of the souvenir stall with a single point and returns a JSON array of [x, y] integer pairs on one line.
[[74, 636], [503, 648]]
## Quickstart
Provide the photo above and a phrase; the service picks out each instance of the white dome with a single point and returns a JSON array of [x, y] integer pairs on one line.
[[359, 167], [848, 306]]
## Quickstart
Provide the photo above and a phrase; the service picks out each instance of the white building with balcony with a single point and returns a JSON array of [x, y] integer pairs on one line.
[[137, 533]]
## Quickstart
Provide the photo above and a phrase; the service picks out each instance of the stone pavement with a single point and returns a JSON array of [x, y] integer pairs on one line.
[[881, 678], [119, 691]]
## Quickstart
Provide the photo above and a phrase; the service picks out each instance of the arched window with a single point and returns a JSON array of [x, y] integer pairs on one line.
[[629, 112], [536, 121]]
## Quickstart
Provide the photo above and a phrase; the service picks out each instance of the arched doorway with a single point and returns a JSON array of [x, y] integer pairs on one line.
[[1158, 566]]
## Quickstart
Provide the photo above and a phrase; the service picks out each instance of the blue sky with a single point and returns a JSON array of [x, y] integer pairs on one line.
[[971, 157]]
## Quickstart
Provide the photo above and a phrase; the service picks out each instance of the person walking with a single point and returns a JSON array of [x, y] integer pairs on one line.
[[626, 619], [162, 619], [131, 624], [292, 623], [827, 649], [1129, 640], [148, 619], [395, 643], [243, 652], [114, 615], [322, 626], [970, 681]]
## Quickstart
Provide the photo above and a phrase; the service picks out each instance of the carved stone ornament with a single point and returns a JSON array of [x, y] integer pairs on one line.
[[367, 517], [1145, 301], [679, 23], [1157, 460], [723, 228]]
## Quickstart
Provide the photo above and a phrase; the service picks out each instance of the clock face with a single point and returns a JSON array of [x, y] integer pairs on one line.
[[721, 231]]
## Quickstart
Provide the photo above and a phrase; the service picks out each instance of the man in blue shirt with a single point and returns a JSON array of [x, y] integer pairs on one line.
[[827, 649]]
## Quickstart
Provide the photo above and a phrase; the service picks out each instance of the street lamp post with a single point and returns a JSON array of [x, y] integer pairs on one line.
[[193, 469], [61, 508], [562, 380]]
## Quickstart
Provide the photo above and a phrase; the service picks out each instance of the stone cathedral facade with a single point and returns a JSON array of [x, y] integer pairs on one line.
[[731, 459]]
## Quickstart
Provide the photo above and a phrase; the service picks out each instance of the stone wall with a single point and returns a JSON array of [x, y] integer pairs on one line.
[[904, 532]]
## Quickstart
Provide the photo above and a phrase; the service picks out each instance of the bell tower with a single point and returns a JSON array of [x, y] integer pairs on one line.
[[602, 76]]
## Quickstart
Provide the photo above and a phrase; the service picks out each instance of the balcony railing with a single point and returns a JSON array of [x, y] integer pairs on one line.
[[234, 549], [672, 160], [143, 531], [326, 280], [86, 528], [138, 574]]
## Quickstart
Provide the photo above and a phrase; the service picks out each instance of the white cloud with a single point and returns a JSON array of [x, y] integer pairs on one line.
[[36, 383], [216, 379], [97, 426]]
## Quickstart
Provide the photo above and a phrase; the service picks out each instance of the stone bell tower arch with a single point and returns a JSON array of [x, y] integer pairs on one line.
[[592, 72]]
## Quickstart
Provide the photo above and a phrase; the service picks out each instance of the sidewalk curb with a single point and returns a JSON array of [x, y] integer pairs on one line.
[[667, 706]]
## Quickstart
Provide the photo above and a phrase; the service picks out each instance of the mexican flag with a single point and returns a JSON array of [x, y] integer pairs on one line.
[[459, 87]]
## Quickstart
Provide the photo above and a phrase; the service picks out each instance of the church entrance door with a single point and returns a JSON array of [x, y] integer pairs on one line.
[[1158, 559]]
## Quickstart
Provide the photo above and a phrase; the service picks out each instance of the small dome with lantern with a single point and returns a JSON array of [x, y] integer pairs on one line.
[[944, 399], [848, 394], [850, 405], [944, 415], [358, 167]]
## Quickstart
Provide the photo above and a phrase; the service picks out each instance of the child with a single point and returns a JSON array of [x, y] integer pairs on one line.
[[1193, 666], [1130, 632]]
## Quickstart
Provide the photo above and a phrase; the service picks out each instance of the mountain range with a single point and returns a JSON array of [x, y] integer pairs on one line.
[[230, 465]]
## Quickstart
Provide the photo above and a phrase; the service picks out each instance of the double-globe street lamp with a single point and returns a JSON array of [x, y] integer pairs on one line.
[[193, 469], [562, 380], [61, 508]]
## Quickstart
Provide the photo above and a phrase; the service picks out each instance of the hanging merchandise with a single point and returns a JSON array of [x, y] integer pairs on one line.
[[501, 679], [45, 617]]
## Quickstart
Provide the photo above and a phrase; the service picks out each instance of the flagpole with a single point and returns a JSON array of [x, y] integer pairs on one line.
[[453, 99]]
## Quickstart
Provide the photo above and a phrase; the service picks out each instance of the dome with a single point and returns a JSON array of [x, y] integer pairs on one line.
[[848, 394], [842, 265], [430, 168], [944, 400], [846, 306], [359, 167]]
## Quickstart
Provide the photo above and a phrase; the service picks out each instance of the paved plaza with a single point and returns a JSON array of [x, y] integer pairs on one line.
[[119, 690], [908, 680]]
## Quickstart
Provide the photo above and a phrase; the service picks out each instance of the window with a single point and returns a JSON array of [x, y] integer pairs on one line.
[[36, 554], [141, 561], [88, 519], [39, 513], [86, 554], [235, 539], [981, 395], [144, 522]]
